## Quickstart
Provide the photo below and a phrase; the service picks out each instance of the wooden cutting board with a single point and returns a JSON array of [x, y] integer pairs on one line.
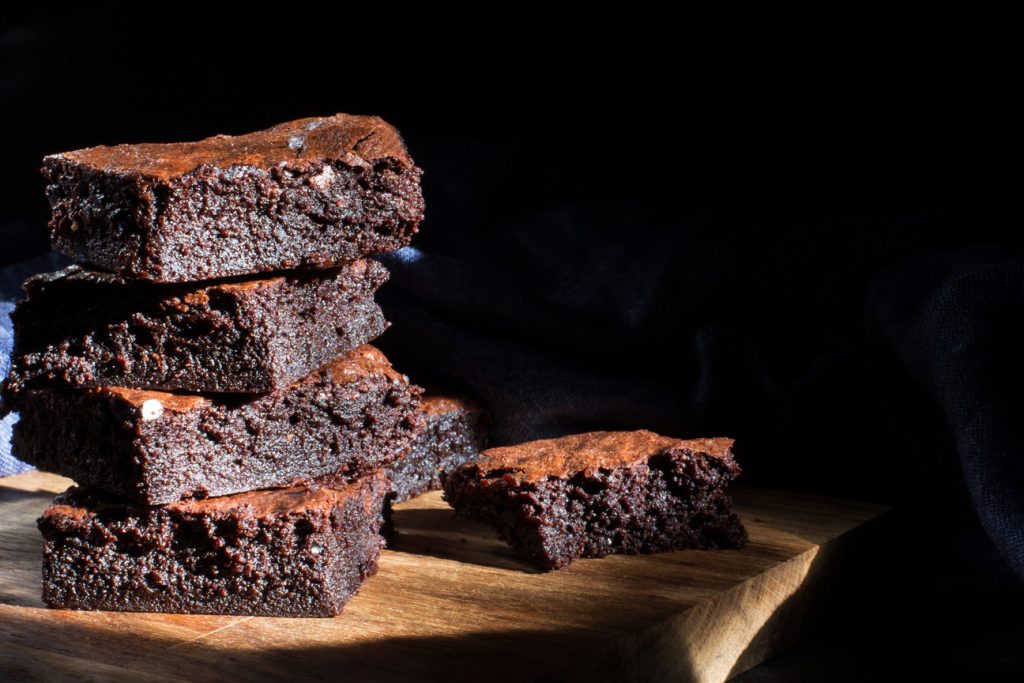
[[452, 603]]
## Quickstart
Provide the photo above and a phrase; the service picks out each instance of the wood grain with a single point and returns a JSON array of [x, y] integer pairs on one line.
[[452, 603]]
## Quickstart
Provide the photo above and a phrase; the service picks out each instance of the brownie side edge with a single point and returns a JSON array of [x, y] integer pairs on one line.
[[674, 501], [450, 439], [103, 554], [80, 329], [347, 419]]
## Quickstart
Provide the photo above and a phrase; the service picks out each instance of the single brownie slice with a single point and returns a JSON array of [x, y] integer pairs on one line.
[[294, 552], [313, 192], [349, 418], [454, 434], [595, 494], [86, 328]]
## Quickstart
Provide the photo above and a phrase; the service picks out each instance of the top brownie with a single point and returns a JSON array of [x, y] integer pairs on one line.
[[310, 193]]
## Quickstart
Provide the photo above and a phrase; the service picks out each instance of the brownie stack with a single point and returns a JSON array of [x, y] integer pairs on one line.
[[204, 373]]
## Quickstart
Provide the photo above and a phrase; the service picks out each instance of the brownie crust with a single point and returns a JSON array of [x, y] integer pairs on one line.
[[349, 418], [454, 433], [297, 552], [308, 193], [602, 493], [85, 328]]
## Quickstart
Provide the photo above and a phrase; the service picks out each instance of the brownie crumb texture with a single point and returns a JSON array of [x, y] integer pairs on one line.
[[454, 433], [349, 418], [602, 493], [299, 552], [80, 328]]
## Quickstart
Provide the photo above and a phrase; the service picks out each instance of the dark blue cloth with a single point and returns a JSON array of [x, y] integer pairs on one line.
[[8, 464], [956, 322]]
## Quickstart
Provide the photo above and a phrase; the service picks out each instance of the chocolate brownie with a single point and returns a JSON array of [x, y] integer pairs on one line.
[[295, 552], [454, 434], [350, 417], [86, 328], [308, 193], [595, 494]]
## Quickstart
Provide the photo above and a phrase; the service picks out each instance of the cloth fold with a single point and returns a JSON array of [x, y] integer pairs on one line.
[[956, 322]]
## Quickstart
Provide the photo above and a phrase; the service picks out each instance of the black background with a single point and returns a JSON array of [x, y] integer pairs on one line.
[[757, 174]]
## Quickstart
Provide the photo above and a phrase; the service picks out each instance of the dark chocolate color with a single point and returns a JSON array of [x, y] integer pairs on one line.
[[298, 552], [348, 418], [309, 193], [455, 432], [595, 494], [85, 328]]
